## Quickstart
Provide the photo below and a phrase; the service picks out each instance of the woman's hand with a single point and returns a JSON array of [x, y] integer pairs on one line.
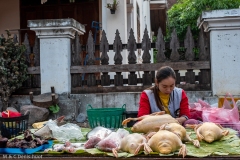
[[181, 120]]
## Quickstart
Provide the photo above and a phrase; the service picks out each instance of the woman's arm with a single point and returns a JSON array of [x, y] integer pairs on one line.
[[144, 105], [181, 120], [184, 108]]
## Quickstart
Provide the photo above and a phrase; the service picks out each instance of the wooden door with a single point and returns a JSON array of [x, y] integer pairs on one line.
[[83, 11], [30, 13], [86, 14], [158, 19]]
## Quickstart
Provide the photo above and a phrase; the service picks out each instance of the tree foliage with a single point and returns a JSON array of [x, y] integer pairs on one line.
[[186, 12], [13, 69]]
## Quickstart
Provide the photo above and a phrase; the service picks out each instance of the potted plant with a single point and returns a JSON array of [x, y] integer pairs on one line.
[[112, 6], [13, 68]]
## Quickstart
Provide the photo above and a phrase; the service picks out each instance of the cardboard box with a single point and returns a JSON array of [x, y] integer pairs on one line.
[[221, 100]]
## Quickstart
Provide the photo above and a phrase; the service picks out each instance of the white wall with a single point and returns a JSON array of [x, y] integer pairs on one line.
[[134, 21], [112, 22], [9, 16], [144, 18], [130, 16]]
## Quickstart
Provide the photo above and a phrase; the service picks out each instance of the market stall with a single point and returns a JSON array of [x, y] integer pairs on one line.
[[226, 148], [68, 141]]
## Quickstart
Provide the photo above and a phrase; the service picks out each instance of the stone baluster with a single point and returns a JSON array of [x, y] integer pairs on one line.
[[132, 47], [35, 61], [204, 74], [189, 56], [28, 48], [76, 60], [90, 47], [189, 45], [174, 46], [104, 48], [146, 46], [203, 46], [160, 46], [36, 51], [28, 82], [117, 48]]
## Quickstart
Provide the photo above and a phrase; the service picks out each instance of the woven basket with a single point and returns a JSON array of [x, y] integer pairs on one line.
[[106, 117]]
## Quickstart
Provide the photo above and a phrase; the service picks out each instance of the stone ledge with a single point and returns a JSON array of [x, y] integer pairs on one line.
[[219, 19], [56, 28], [221, 13], [69, 22]]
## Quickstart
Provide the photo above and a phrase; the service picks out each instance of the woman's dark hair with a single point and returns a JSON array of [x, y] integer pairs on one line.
[[165, 72], [162, 73]]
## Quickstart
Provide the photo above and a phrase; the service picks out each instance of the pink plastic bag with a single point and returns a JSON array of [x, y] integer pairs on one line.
[[226, 114], [204, 104], [195, 111], [197, 108]]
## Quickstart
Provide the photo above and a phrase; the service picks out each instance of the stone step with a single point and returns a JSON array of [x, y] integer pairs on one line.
[[211, 100]]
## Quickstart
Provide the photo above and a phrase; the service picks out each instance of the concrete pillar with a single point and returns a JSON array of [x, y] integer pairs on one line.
[[55, 51], [224, 28]]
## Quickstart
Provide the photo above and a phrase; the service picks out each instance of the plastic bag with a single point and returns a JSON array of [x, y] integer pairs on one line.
[[112, 141], [225, 114], [197, 108], [10, 114], [66, 132], [195, 111]]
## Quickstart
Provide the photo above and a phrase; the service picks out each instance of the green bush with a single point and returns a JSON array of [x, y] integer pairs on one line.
[[13, 70], [186, 12]]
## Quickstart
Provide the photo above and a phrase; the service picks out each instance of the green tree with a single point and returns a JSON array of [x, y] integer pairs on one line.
[[186, 12], [13, 70]]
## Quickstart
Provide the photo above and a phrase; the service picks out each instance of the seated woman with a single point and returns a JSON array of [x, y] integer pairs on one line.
[[164, 96]]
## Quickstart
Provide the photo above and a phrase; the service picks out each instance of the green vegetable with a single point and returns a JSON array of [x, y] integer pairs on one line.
[[54, 108]]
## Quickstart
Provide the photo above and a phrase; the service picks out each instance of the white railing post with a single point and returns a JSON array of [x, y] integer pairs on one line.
[[224, 28], [55, 51]]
